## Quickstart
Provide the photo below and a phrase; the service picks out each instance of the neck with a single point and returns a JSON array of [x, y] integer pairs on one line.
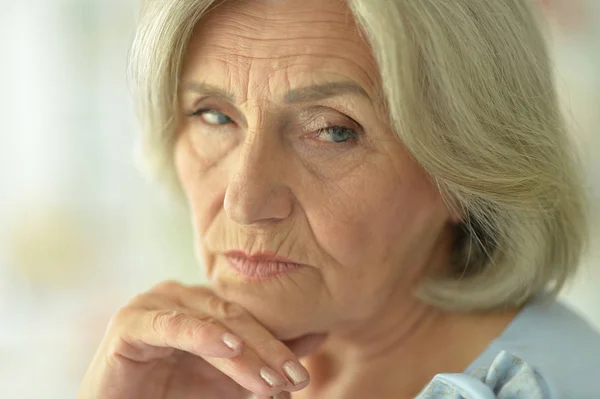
[[398, 358], [399, 349]]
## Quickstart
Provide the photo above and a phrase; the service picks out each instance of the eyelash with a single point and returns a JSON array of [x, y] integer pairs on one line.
[[354, 134], [201, 111]]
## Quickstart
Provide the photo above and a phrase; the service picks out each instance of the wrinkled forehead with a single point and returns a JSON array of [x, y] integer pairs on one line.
[[285, 42]]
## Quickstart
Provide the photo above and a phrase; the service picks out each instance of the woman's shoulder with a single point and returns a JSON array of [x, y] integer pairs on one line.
[[562, 348], [507, 377], [547, 352]]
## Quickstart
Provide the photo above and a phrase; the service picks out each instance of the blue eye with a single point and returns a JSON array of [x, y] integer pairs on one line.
[[213, 117], [337, 134]]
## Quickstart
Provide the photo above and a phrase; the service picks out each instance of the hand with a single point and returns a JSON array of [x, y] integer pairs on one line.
[[178, 342]]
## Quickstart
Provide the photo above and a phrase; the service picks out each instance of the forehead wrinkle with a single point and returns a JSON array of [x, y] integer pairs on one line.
[[291, 30], [243, 24], [297, 53], [263, 11], [243, 89], [231, 42], [241, 54], [243, 65]]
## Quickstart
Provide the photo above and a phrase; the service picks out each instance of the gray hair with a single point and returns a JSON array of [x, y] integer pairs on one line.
[[470, 92]]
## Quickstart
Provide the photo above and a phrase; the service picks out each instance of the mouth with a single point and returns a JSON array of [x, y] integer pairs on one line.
[[262, 266]]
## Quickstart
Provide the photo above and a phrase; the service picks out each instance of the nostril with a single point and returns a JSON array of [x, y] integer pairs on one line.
[[257, 201]]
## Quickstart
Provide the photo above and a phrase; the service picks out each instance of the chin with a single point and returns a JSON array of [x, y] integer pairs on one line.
[[281, 303]]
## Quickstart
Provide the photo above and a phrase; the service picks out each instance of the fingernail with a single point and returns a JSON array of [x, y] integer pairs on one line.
[[295, 372], [271, 377], [233, 342]]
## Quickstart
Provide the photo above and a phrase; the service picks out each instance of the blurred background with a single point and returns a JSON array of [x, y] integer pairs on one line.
[[81, 231]]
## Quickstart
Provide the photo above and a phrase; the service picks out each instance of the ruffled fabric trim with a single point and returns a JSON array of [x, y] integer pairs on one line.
[[508, 377]]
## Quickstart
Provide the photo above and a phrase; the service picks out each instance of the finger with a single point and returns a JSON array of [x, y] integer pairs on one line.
[[150, 332], [252, 373], [177, 329], [151, 300], [271, 350], [274, 352], [169, 287]]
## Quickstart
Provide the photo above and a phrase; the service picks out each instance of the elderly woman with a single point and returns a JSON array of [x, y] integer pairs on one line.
[[384, 197]]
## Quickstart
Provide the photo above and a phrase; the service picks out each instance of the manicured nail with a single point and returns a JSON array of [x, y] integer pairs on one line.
[[233, 342], [271, 377], [295, 372]]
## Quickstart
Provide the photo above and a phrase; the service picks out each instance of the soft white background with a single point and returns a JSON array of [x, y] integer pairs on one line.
[[80, 230]]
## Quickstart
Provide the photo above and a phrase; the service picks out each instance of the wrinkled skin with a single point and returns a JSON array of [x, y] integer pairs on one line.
[[315, 176]]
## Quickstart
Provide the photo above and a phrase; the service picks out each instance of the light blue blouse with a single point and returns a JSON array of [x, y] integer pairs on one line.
[[547, 352]]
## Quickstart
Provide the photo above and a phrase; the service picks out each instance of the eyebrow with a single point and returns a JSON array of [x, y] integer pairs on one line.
[[301, 95], [323, 91], [208, 90]]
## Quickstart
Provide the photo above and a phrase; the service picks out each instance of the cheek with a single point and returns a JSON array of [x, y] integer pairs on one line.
[[204, 185], [377, 218]]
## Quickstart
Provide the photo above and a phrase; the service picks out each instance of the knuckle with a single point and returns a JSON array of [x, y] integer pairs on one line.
[[199, 328], [200, 290], [121, 320], [232, 311], [121, 316], [145, 300], [225, 310], [215, 304], [169, 286], [271, 347], [175, 324], [167, 322]]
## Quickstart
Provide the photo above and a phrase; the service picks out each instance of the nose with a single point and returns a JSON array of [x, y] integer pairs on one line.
[[257, 190]]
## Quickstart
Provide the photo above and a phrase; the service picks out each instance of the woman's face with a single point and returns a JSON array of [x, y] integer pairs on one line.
[[284, 148]]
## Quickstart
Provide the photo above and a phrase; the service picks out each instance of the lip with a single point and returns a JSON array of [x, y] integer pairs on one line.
[[260, 266]]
